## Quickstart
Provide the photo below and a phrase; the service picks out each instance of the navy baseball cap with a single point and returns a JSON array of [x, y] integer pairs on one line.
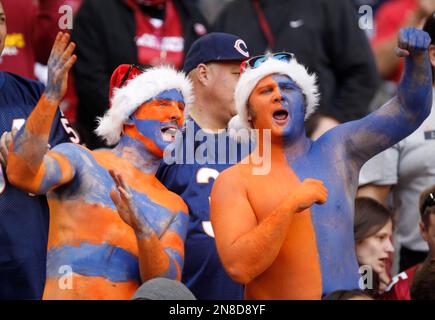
[[214, 47]]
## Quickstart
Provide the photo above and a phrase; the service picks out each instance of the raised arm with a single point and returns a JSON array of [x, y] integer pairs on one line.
[[402, 115], [247, 248], [160, 255], [31, 166]]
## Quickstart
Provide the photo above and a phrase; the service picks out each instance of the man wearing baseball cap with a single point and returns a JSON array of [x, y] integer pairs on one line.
[[213, 66]]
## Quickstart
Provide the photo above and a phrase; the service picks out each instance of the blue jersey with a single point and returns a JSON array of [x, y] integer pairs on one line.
[[23, 218], [203, 272]]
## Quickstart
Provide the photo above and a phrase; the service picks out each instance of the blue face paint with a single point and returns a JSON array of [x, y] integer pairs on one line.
[[152, 128], [294, 103], [172, 94]]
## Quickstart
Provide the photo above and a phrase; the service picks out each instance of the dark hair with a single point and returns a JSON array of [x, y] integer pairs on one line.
[[429, 26], [370, 217], [345, 295], [423, 284], [426, 204]]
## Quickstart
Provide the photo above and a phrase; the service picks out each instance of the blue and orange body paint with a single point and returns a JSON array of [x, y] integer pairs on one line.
[[318, 255], [86, 231]]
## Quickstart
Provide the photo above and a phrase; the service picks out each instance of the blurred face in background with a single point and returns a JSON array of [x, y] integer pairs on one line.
[[2, 28], [428, 233], [221, 84], [375, 250]]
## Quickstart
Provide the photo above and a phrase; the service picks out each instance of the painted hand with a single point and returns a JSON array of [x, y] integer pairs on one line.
[[5, 142], [122, 197], [412, 42], [311, 191], [59, 64]]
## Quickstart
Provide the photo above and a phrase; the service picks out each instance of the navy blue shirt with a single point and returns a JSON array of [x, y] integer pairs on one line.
[[203, 272], [23, 218]]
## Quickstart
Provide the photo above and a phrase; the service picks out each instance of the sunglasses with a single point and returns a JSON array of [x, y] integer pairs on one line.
[[256, 61], [428, 202], [139, 67]]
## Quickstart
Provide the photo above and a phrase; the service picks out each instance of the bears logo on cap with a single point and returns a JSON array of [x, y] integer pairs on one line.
[[241, 47]]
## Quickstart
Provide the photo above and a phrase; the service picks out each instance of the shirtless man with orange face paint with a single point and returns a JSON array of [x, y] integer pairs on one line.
[[271, 233], [111, 234]]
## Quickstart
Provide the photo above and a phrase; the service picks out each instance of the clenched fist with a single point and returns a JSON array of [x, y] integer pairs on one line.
[[412, 42], [309, 192]]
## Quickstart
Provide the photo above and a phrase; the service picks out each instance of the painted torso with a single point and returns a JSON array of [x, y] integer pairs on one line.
[[320, 241], [193, 181], [87, 234], [317, 255]]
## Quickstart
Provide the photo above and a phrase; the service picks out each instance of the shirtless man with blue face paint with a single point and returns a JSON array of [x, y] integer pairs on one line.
[[288, 234], [113, 225]]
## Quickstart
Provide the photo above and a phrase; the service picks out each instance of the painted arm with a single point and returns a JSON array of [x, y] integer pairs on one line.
[[247, 248], [159, 256], [31, 166], [402, 115]]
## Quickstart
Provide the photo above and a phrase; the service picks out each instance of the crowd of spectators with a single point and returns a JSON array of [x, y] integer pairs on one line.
[[394, 224]]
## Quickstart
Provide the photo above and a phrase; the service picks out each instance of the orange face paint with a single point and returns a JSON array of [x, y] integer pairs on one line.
[[155, 123]]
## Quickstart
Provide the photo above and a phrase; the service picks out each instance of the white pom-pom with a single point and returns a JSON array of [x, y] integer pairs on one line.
[[239, 130]]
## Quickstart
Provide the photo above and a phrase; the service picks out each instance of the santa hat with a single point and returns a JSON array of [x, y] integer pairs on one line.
[[122, 75], [138, 90], [249, 79]]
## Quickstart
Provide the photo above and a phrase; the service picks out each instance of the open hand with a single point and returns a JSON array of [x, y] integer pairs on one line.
[[59, 64], [122, 197]]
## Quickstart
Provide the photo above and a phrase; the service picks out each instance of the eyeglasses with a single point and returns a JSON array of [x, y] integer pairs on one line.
[[139, 67], [256, 61], [428, 202]]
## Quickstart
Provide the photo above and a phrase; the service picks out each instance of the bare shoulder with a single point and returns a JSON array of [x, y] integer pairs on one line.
[[72, 150], [171, 199], [76, 155], [178, 202], [232, 177]]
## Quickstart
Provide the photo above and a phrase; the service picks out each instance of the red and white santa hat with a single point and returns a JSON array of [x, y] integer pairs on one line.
[[249, 79], [139, 87]]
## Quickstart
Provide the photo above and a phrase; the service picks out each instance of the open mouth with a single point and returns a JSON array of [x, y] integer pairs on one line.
[[281, 116], [169, 133]]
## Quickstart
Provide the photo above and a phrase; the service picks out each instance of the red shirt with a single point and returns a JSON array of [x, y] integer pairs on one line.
[[159, 42], [399, 288], [48, 24], [18, 55], [48, 27], [390, 17]]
